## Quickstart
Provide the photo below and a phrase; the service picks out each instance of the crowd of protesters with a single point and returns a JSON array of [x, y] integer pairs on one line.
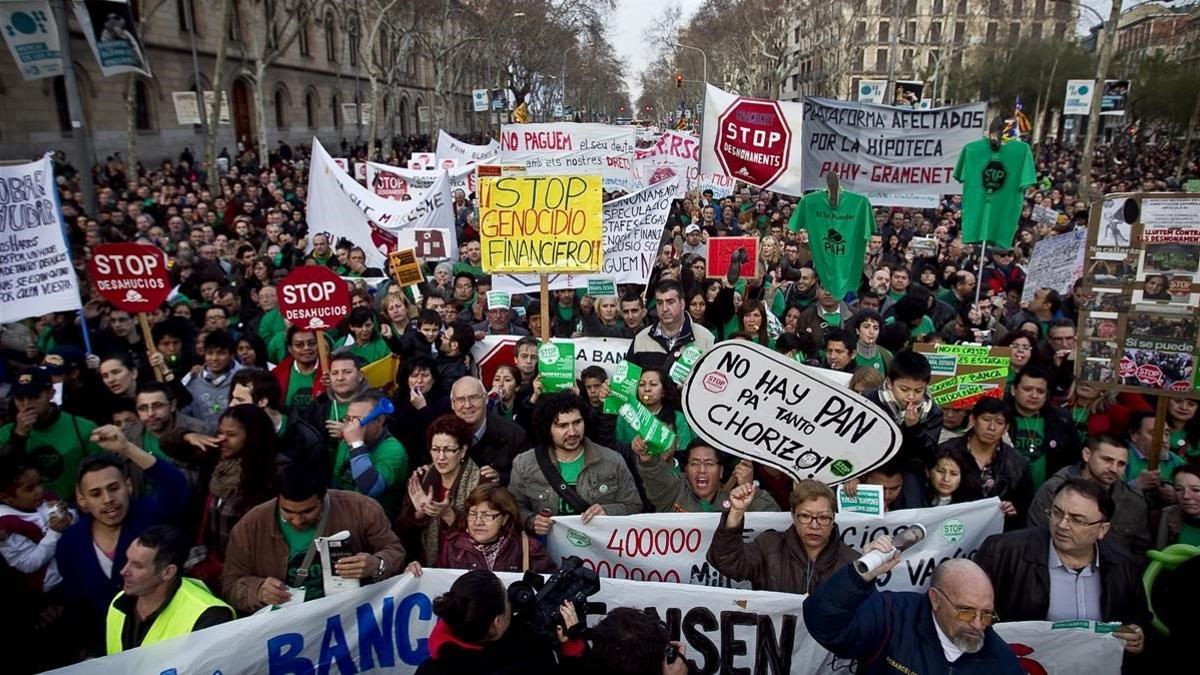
[[189, 477]]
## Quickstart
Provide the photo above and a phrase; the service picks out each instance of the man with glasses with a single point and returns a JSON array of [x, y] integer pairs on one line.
[[946, 629], [495, 440], [698, 487], [1068, 571], [1001, 271], [797, 560], [369, 460]]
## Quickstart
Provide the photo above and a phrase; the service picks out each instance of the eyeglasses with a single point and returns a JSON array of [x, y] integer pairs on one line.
[[969, 614], [709, 464], [808, 519], [443, 449], [469, 398], [1056, 514], [483, 516]]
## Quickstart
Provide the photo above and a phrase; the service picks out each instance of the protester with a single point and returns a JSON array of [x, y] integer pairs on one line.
[[991, 467], [496, 442], [328, 409], [698, 486], [369, 460], [487, 535], [632, 642], [1180, 522], [659, 345], [904, 398]]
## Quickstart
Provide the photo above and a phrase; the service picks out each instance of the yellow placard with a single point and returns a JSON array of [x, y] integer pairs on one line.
[[541, 224]]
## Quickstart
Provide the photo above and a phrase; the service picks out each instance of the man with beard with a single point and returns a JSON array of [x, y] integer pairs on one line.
[[698, 487], [946, 629]]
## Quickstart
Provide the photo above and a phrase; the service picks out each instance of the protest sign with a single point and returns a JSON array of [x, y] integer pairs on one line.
[[341, 208], [36, 273], [871, 91], [132, 277], [541, 224], [1140, 333], [1078, 99], [756, 141], [963, 374], [720, 253], [499, 300], [622, 386], [385, 627], [632, 230], [449, 147], [494, 350], [601, 287], [759, 405], [923, 247], [673, 153], [887, 154], [313, 297], [671, 547], [112, 33], [646, 425], [1114, 96], [394, 182], [1044, 215], [867, 499], [1057, 262], [187, 112], [405, 268], [32, 35], [682, 368], [569, 148], [720, 184], [424, 160], [556, 366]]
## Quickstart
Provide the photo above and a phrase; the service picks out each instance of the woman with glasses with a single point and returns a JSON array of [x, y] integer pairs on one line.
[[697, 488], [488, 536], [437, 492], [795, 561]]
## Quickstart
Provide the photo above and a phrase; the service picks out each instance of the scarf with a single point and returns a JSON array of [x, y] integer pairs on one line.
[[491, 551], [226, 478], [923, 410], [867, 351]]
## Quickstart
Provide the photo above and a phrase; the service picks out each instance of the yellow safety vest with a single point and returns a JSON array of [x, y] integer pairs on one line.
[[191, 600]]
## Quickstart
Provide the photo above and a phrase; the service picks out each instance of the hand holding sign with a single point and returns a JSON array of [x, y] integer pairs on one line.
[[134, 278]]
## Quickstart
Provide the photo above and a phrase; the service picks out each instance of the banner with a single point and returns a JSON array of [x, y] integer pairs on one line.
[[112, 32], [672, 547], [393, 182], [341, 208], [633, 228], [1114, 97], [673, 153], [871, 91], [1056, 263], [1078, 100], [186, 111], [32, 35], [721, 185], [963, 374], [494, 350], [887, 154], [756, 141], [570, 148], [541, 224], [449, 147], [757, 404], [385, 627], [36, 274]]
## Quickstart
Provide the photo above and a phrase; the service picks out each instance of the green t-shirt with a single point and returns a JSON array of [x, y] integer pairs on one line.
[[832, 319], [371, 352], [270, 325], [1079, 416], [570, 472], [298, 542], [874, 363], [1166, 466], [57, 451], [1179, 444], [299, 391], [1189, 534], [837, 236], [1028, 439], [464, 266], [391, 463], [993, 183]]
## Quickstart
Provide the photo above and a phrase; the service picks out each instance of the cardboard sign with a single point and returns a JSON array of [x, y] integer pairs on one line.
[[601, 288], [405, 267], [1056, 263], [556, 366], [499, 300], [423, 160], [132, 277], [963, 374], [541, 224], [622, 386], [682, 368], [867, 499], [720, 251], [757, 404], [923, 247], [314, 298]]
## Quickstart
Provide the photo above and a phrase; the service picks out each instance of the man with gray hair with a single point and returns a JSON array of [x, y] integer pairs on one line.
[[946, 629], [496, 441]]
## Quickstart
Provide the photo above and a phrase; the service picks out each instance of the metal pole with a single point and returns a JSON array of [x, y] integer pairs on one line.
[[79, 128], [1106, 54], [200, 103], [895, 45]]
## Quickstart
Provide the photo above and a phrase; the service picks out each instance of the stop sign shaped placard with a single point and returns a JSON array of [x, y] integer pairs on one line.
[[754, 141], [132, 277], [314, 298]]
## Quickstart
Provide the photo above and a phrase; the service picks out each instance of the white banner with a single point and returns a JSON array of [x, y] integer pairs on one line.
[[341, 208], [756, 141], [393, 182], [1079, 97], [495, 350], [36, 274], [1056, 263], [32, 35], [449, 147], [633, 226], [721, 185], [673, 153], [186, 111], [385, 627], [883, 152], [573, 149], [755, 403], [111, 31], [672, 547], [871, 91]]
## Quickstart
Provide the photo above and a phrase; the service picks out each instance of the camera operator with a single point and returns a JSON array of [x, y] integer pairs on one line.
[[946, 629], [472, 633], [631, 642]]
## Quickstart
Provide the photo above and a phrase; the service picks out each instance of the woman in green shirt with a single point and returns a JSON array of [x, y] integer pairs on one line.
[[1180, 523], [1023, 346], [502, 399], [752, 320], [364, 341], [1184, 426], [659, 394]]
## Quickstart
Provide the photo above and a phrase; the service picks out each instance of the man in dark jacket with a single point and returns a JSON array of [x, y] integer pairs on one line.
[[947, 629], [1043, 434], [1069, 572], [497, 441], [904, 398]]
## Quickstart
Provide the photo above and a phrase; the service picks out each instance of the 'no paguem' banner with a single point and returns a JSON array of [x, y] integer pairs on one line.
[[541, 223]]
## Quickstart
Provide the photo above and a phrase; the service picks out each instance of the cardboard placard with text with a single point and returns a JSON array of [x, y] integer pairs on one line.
[[405, 267], [963, 374]]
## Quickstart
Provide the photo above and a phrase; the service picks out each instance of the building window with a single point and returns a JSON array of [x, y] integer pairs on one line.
[[992, 28], [302, 38], [331, 38], [911, 32], [907, 60], [235, 21], [141, 95], [186, 9], [352, 31], [935, 32], [962, 7], [1014, 33], [881, 59], [1037, 32], [310, 109], [860, 31], [280, 109], [995, 8], [934, 55], [1039, 8], [335, 104], [939, 7], [884, 31], [1017, 7], [859, 58], [960, 28]]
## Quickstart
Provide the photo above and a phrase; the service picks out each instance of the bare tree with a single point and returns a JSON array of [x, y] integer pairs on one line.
[[442, 31], [144, 10], [214, 115]]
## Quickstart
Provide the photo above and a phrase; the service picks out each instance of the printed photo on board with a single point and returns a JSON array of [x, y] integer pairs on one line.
[[1103, 327], [1108, 300], [1100, 350], [1121, 271], [1097, 370], [1116, 221]]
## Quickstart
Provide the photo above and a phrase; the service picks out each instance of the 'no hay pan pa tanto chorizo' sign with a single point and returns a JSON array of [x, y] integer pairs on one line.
[[757, 404]]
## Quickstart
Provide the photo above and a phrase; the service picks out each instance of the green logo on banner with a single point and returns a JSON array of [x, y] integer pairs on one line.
[[578, 538], [953, 530], [841, 468]]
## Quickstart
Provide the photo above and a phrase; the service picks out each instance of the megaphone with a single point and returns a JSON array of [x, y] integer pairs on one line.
[[384, 407]]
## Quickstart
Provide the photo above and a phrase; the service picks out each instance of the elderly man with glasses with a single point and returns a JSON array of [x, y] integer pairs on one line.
[[1067, 570]]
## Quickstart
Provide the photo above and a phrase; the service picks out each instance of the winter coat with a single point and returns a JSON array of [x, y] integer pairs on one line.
[[605, 479], [776, 561]]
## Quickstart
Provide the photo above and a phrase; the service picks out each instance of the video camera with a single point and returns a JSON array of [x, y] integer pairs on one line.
[[535, 603]]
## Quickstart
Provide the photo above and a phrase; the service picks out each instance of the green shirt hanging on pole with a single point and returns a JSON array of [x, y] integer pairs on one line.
[[994, 182], [837, 236]]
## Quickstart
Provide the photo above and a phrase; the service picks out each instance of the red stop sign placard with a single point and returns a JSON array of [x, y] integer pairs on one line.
[[754, 141], [132, 277], [314, 298]]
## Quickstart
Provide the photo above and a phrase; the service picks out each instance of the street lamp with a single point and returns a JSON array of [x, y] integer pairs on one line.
[[1106, 54], [703, 56]]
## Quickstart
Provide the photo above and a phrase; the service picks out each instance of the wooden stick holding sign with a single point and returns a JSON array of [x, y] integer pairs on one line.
[[545, 296], [132, 278], [1160, 423], [315, 299]]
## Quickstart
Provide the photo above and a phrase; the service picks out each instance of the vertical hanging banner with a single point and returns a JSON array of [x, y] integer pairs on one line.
[[571, 149], [891, 156], [754, 140], [36, 275], [541, 224], [112, 32], [449, 147], [32, 35]]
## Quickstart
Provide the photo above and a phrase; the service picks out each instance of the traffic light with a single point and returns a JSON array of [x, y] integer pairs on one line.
[[679, 81]]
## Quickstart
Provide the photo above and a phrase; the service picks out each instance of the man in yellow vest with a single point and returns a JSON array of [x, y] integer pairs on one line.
[[158, 603]]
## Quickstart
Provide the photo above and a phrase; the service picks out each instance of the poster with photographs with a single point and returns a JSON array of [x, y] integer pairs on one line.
[[1141, 295]]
